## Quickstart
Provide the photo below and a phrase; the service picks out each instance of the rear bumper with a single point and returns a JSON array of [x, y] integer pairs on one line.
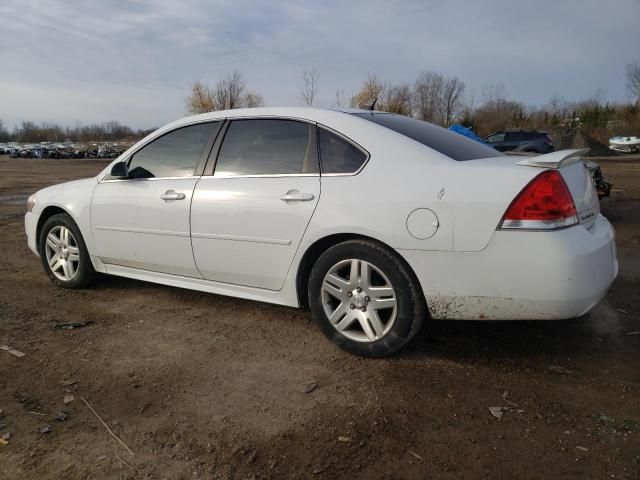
[[30, 226], [521, 275]]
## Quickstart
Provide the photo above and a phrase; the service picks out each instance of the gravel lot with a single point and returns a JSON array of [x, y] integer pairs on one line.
[[203, 386]]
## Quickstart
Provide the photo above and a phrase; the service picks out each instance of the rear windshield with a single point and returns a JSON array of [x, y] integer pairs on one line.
[[451, 144]]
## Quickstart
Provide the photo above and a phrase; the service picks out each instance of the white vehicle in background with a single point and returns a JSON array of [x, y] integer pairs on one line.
[[376, 221], [5, 149], [625, 144]]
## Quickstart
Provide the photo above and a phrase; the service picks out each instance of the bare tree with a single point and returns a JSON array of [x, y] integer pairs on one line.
[[493, 94], [427, 93], [229, 91], [437, 98], [309, 91], [371, 91], [451, 103], [252, 99], [633, 80], [340, 100], [4, 133], [557, 109], [499, 113], [397, 99], [200, 100]]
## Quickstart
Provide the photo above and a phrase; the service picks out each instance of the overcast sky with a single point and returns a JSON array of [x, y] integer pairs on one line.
[[133, 61]]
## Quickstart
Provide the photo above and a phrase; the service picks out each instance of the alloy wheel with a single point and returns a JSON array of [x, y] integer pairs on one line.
[[359, 300], [62, 253]]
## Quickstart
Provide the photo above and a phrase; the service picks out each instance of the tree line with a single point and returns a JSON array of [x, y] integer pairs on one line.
[[444, 100], [432, 96]]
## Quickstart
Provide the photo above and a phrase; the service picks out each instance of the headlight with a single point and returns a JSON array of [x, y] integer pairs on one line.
[[31, 202]]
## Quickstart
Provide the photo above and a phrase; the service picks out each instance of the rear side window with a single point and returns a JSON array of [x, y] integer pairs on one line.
[[175, 154], [267, 147], [337, 155], [451, 144]]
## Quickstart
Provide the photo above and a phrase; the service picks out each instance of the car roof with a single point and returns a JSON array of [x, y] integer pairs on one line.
[[309, 113]]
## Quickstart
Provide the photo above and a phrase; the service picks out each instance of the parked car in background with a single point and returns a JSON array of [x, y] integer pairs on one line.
[[533, 141], [48, 150], [376, 221], [625, 144], [603, 187]]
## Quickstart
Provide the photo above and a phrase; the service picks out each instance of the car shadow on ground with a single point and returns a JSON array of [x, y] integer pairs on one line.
[[600, 332]]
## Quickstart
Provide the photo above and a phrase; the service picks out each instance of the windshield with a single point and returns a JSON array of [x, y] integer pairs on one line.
[[451, 144]]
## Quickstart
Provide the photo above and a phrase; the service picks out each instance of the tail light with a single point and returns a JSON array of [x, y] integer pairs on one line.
[[544, 204]]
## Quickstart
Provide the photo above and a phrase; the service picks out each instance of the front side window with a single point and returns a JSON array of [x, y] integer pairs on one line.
[[175, 154], [496, 138], [337, 155], [267, 147]]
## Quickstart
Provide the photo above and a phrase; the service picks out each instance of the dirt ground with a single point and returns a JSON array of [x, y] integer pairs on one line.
[[203, 386]]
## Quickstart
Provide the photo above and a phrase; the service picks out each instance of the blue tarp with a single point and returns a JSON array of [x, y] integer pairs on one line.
[[467, 132]]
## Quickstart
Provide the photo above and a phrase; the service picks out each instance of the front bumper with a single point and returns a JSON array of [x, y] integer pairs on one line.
[[30, 227], [521, 275]]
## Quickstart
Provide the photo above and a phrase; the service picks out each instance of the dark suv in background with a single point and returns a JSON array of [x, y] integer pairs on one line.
[[520, 141]]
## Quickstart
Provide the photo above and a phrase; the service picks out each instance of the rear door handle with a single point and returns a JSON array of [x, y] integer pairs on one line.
[[172, 195], [296, 196]]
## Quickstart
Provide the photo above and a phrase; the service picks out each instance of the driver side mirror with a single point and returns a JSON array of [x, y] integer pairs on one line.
[[120, 170]]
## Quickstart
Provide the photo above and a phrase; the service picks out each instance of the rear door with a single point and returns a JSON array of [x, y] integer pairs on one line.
[[143, 221], [512, 141], [252, 206]]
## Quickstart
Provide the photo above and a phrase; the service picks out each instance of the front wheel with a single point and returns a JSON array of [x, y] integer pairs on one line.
[[365, 299], [64, 254]]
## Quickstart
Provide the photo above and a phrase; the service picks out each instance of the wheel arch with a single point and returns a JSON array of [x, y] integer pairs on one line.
[[317, 248], [45, 215]]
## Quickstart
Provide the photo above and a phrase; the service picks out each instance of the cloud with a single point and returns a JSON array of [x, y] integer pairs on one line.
[[133, 61]]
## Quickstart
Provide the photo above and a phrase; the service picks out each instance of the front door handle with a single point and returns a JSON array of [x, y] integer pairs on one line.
[[172, 195], [296, 196]]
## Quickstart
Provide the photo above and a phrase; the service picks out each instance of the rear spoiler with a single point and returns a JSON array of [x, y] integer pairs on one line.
[[555, 159]]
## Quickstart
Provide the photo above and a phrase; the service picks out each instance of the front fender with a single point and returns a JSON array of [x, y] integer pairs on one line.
[[74, 198]]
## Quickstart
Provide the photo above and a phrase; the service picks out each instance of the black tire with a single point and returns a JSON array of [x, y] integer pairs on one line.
[[411, 309], [84, 272]]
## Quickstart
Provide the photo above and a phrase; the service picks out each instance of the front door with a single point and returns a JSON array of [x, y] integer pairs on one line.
[[143, 221], [248, 218]]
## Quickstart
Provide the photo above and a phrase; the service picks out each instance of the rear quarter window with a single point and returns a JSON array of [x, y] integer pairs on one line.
[[451, 144], [337, 155]]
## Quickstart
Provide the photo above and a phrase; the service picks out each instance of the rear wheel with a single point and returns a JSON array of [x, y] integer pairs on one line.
[[64, 254], [365, 299]]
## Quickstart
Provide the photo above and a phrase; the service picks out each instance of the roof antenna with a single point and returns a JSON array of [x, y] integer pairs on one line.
[[370, 107]]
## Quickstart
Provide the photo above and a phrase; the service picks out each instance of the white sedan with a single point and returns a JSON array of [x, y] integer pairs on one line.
[[375, 221]]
